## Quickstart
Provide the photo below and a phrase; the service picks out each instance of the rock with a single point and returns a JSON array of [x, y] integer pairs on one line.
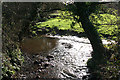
[[63, 43], [80, 69], [39, 70], [84, 77], [48, 60], [36, 62], [33, 56], [52, 66], [50, 56], [57, 51], [46, 65], [67, 45], [41, 60], [42, 67], [69, 74], [83, 60], [37, 77]]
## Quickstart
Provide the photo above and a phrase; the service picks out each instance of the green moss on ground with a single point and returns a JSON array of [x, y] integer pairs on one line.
[[104, 23], [62, 22]]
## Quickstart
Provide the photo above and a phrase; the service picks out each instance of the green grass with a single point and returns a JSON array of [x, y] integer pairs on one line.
[[66, 22], [108, 24], [61, 22]]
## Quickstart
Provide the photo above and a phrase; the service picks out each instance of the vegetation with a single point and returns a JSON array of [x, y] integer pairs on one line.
[[65, 21], [17, 18], [12, 62], [44, 18], [106, 25]]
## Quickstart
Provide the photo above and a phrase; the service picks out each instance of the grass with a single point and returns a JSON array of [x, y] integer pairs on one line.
[[107, 24], [62, 24], [65, 21]]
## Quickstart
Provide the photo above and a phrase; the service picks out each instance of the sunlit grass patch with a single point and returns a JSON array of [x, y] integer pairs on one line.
[[105, 23], [62, 24]]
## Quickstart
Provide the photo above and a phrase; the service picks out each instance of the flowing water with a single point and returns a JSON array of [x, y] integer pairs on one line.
[[56, 57]]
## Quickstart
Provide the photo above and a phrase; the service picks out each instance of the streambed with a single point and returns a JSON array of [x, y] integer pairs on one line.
[[55, 57]]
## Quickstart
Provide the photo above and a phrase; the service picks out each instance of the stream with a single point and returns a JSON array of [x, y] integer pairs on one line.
[[55, 57]]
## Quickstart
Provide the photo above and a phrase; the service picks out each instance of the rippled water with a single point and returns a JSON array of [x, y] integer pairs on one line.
[[72, 56], [56, 57]]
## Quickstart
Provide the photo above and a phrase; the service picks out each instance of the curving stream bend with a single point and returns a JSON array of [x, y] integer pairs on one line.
[[56, 57]]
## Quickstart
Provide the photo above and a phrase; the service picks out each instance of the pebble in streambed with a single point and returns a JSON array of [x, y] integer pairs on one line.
[[44, 62], [67, 45], [50, 57], [68, 73]]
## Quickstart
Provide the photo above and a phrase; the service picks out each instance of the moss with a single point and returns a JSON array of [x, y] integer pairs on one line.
[[65, 21]]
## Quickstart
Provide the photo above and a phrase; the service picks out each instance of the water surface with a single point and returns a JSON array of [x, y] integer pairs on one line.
[[56, 57]]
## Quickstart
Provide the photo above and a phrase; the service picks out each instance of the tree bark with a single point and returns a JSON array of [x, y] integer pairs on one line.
[[94, 38], [83, 10]]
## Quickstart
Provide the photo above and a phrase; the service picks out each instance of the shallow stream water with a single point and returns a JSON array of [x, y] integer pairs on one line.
[[56, 57]]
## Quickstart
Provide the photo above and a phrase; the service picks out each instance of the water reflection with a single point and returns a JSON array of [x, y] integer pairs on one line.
[[38, 44]]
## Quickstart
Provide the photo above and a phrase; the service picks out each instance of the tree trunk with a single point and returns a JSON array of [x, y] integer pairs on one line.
[[94, 38], [83, 10]]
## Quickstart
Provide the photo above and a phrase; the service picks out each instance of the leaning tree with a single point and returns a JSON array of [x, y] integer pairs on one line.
[[81, 12]]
